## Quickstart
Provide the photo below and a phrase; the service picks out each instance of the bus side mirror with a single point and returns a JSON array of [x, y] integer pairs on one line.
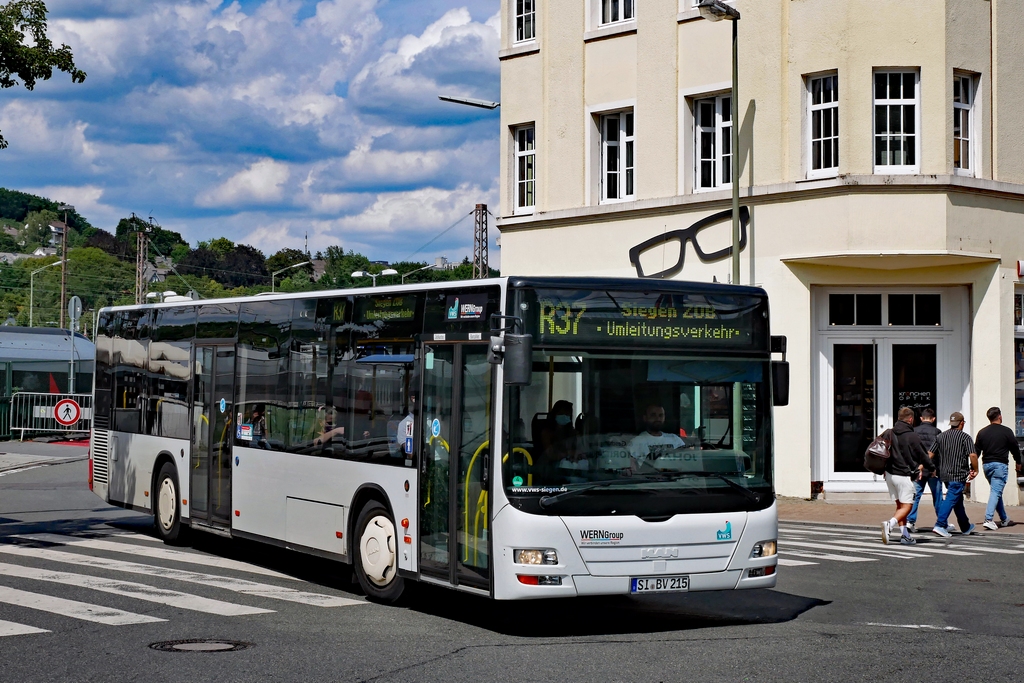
[[518, 359], [780, 383]]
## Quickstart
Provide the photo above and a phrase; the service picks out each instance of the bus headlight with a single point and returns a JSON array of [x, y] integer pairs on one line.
[[535, 557], [764, 549]]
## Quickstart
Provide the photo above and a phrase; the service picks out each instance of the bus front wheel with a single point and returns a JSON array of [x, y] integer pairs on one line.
[[376, 554], [166, 510]]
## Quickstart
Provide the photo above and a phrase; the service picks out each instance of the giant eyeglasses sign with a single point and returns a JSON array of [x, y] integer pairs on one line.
[[659, 319], [692, 235]]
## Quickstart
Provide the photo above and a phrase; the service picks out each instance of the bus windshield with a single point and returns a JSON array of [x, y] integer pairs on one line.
[[639, 434]]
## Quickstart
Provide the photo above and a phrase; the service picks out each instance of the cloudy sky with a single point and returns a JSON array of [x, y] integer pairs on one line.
[[262, 120]]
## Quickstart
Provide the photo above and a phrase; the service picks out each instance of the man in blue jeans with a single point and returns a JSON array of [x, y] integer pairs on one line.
[[926, 432], [994, 444], [957, 460]]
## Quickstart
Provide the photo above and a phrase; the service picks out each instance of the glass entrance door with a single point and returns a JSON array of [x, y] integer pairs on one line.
[[869, 381], [915, 379], [212, 434], [854, 408], [454, 495]]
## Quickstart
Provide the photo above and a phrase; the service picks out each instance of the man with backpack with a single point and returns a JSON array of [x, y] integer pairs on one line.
[[957, 460], [926, 431], [905, 465]]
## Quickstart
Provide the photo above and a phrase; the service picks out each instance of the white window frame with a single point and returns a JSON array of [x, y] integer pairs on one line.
[[822, 110], [618, 8], [721, 131], [969, 137], [625, 151], [892, 169], [524, 154], [523, 10]]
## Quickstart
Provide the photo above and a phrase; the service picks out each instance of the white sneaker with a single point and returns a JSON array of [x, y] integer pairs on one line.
[[912, 527], [991, 526], [951, 528], [885, 532]]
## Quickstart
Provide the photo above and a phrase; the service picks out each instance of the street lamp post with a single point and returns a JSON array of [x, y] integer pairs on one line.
[[273, 276], [64, 260], [374, 276], [32, 289], [716, 10], [432, 265]]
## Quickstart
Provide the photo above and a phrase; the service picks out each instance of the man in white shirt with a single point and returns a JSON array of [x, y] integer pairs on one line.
[[651, 443]]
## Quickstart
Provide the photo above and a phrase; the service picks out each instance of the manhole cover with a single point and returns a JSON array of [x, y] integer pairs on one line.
[[200, 645]]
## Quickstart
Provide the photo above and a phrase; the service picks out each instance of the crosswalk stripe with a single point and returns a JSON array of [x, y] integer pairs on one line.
[[226, 582], [155, 553], [928, 547], [9, 628], [990, 549], [794, 563], [974, 540], [139, 591], [73, 608], [855, 549], [827, 556]]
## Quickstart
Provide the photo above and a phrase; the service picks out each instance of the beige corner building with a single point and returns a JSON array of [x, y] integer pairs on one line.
[[881, 166]]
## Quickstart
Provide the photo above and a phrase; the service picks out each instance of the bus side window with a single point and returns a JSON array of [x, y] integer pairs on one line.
[[261, 391]]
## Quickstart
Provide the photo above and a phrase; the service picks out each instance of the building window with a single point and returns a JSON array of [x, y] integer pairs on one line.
[[526, 20], [713, 142], [824, 124], [963, 123], [915, 309], [1018, 311], [526, 168], [617, 156], [896, 139], [616, 10], [854, 309]]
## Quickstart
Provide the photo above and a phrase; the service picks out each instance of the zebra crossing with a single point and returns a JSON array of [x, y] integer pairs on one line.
[[111, 564], [804, 545]]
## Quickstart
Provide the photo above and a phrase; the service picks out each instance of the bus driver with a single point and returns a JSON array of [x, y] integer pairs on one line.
[[652, 442]]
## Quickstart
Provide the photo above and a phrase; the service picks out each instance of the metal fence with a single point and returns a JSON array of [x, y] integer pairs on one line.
[[34, 412]]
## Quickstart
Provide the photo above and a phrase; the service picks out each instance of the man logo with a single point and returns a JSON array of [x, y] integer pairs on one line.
[[658, 553]]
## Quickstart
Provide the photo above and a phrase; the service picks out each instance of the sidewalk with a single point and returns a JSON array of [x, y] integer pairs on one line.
[[872, 514], [18, 454]]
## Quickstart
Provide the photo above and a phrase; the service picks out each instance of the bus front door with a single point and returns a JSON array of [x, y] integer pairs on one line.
[[455, 448], [212, 435]]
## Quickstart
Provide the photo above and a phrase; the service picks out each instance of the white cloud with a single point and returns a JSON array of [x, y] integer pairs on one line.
[[260, 183], [266, 118], [85, 199]]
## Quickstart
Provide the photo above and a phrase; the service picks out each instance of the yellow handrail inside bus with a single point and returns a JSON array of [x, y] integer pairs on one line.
[[482, 500]]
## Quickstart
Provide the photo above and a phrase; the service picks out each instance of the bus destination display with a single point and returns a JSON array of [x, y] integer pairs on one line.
[[655, 319]]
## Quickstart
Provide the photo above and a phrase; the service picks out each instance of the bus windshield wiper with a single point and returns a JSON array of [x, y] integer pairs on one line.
[[750, 495], [548, 501]]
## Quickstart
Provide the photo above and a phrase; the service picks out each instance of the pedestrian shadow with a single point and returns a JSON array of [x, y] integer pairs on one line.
[[84, 526], [614, 615]]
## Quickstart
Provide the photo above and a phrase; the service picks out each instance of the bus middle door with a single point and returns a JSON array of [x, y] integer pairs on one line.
[[454, 506], [213, 433]]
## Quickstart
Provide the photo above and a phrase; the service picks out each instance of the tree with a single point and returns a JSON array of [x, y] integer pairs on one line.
[[36, 232], [34, 59], [288, 257]]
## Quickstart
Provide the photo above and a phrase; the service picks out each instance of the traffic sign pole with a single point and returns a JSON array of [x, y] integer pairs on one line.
[[74, 313]]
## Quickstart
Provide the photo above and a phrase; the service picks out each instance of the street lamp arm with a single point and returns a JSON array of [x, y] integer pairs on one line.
[[469, 101], [278, 272], [716, 10]]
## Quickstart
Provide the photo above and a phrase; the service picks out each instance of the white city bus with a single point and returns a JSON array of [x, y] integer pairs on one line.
[[511, 437]]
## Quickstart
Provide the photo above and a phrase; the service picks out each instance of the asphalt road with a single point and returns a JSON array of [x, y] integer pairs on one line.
[[916, 614]]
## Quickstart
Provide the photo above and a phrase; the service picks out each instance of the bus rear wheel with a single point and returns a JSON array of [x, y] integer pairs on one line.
[[166, 508], [376, 554]]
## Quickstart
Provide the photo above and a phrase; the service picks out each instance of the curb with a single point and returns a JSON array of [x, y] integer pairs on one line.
[[43, 463]]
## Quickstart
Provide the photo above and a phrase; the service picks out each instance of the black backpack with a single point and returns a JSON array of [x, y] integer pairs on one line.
[[883, 447]]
